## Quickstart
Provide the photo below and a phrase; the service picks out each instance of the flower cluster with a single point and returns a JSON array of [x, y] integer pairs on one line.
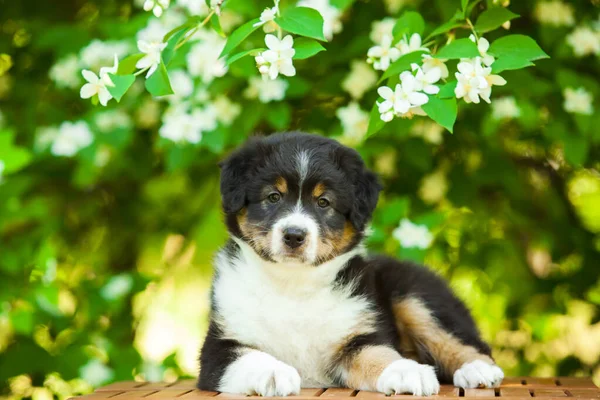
[[278, 58], [411, 235], [97, 85], [66, 140], [156, 6]]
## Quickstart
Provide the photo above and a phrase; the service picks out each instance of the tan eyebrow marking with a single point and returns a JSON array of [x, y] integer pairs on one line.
[[318, 190], [281, 185]]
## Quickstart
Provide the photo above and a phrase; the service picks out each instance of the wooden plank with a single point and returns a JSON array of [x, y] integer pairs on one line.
[[105, 394], [540, 382], [133, 394], [513, 381], [183, 384], [311, 392], [584, 393], [363, 394], [576, 382], [129, 385], [514, 392], [449, 391], [198, 394], [338, 392], [480, 393], [168, 393], [549, 393]]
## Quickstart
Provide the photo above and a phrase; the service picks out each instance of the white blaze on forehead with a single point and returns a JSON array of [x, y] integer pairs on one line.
[[300, 220], [302, 164]]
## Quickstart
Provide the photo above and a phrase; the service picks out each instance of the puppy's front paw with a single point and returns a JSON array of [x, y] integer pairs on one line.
[[278, 380], [478, 373], [408, 376], [258, 373]]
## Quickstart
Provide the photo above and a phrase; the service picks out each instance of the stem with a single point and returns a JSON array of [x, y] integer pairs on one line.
[[141, 71], [473, 29], [193, 31]]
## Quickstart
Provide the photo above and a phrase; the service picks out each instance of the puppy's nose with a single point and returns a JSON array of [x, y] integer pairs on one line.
[[294, 237]]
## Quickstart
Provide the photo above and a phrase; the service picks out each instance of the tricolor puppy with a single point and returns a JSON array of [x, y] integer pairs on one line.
[[297, 302]]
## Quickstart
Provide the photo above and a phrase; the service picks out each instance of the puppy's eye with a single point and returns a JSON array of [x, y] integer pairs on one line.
[[323, 202], [274, 197]]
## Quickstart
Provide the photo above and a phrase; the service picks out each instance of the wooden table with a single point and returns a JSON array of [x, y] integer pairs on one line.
[[512, 389]]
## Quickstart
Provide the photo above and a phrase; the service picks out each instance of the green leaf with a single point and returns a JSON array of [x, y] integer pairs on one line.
[[233, 58], [279, 116], [169, 51], [375, 122], [445, 27], [409, 22], [306, 48], [493, 18], [442, 111], [447, 91], [216, 25], [158, 84], [189, 24], [461, 48], [302, 21], [517, 46], [403, 64], [127, 65], [239, 35], [13, 157], [464, 4], [122, 83], [214, 140], [576, 150], [510, 63]]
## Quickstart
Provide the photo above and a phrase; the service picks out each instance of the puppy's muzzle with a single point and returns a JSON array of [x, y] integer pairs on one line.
[[294, 237]]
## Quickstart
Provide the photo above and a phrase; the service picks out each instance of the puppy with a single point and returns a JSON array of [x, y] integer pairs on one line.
[[297, 302]]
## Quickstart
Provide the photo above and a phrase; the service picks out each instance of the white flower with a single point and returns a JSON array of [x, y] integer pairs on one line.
[[382, 55], [65, 73], [206, 118], [483, 45], [99, 53], [505, 108], [381, 29], [430, 63], [268, 15], [111, 120], [409, 45], [151, 60], [157, 6], [403, 100], [578, 101], [96, 373], [555, 13], [72, 137], [411, 235], [426, 80], [97, 84], [266, 90], [181, 127], [278, 59], [360, 79], [182, 84], [475, 81], [203, 58], [584, 41], [331, 16], [44, 137], [225, 110], [155, 31], [194, 7], [355, 122]]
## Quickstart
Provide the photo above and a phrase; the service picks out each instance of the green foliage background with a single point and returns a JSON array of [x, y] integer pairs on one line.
[[104, 271]]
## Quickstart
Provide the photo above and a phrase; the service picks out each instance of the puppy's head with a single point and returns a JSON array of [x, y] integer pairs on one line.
[[297, 198]]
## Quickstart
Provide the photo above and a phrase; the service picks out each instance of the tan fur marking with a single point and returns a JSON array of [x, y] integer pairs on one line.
[[367, 365], [415, 321], [318, 190], [281, 185], [258, 238]]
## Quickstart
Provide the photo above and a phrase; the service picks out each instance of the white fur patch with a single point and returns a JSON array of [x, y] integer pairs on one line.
[[478, 373], [258, 373], [302, 164], [290, 311], [297, 219], [408, 376]]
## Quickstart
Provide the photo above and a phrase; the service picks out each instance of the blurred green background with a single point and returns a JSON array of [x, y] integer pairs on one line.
[[105, 254]]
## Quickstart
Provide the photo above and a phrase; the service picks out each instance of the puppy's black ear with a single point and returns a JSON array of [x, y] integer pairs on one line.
[[366, 187], [236, 173], [233, 182]]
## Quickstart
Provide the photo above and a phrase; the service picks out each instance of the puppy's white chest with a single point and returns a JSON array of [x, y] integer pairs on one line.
[[302, 326]]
